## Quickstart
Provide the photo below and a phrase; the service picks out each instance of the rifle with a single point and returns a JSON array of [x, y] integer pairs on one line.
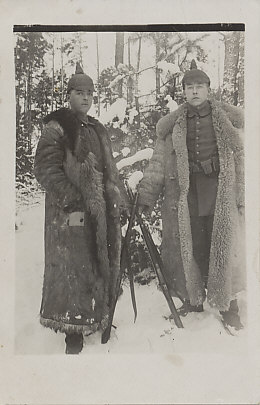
[[125, 264], [156, 262]]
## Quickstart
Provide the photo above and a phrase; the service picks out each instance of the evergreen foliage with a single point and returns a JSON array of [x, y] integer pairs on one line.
[[41, 88]]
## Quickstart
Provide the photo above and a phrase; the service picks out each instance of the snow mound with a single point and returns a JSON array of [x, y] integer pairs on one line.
[[153, 331]]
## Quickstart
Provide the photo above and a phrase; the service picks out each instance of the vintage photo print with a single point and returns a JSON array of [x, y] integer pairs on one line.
[[140, 79], [130, 204]]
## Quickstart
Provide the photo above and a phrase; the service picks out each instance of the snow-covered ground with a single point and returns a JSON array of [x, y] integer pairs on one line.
[[151, 333]]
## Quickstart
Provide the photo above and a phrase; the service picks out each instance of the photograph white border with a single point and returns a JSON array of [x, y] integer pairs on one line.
[[127, 379]]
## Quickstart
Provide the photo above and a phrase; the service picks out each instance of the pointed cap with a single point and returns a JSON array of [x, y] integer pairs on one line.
[[193, 64], [195, 75], [79, 69], [80, 81]]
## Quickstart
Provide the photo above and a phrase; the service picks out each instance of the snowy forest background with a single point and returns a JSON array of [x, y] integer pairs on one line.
[[137, 80]]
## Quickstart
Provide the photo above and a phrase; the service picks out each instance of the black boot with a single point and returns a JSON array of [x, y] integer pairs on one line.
[[231, 317], [187, 307], [74, 343]]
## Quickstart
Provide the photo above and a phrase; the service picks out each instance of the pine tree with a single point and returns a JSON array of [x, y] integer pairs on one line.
[[29, 61]]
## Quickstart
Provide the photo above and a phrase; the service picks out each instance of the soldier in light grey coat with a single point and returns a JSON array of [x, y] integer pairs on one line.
[[198, 166]]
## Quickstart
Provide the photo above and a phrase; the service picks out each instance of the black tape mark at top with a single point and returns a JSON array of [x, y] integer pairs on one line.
[[132, 28]]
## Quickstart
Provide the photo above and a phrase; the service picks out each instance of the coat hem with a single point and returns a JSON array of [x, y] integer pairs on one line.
[[68, 327]]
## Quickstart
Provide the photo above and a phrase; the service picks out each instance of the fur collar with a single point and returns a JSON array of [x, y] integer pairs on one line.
[[230, 115], [70, 124]]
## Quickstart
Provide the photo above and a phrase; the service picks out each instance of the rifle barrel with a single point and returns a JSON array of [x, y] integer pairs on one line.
[[124, 253], [156, 261], [158, 267]]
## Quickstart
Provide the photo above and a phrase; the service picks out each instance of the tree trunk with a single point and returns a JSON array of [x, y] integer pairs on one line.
[[28, 119], [29, 115], [230, 82], [62, 73], [130, 81], [18, 107], [241, 70], [98, 89], [157, 72], [119, 57], [80, 49], [53, 67], [136, 80]]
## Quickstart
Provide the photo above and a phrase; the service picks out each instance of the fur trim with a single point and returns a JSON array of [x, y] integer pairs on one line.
[[71, 128], [223, 249], [101, 200], [58, 325], [235, 114], [69, 122], [166, 123], [111, 172], [90, 183], [230, 135], [91, 186], [226, 269], [231, 114]]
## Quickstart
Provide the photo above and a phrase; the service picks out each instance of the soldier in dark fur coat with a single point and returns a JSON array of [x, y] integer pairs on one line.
[[75, 166], [198, 166]]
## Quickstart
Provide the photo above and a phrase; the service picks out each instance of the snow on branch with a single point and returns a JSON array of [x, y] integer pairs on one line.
[[117, 109], [171, 104], [134, 180], [168, 67], [115, 81], [137, 157], [125, 151]]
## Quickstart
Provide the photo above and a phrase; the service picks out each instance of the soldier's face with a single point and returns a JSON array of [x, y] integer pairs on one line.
[[81, 101], [196, 93]]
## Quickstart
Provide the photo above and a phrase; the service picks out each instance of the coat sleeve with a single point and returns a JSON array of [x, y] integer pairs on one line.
[[236, 117], [49, 170], [240, 169], [153, 181]]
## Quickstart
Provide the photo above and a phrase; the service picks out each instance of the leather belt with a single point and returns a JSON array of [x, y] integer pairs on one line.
[[207, 167]]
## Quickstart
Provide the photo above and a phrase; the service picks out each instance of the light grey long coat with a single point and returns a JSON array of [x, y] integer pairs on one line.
[[168, 172]]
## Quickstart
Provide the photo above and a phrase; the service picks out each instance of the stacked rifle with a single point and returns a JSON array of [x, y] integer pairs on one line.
[[126, 266]]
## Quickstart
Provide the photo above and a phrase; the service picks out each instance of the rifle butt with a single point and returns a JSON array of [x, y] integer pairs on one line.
[[106, 335]]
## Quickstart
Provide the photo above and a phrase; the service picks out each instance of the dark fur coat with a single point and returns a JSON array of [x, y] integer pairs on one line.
[[168, 172], [81, 262]]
